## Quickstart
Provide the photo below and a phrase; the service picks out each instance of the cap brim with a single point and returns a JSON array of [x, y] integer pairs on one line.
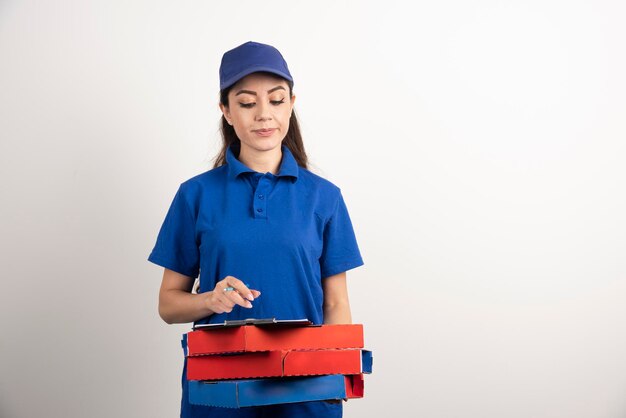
[[232, 80]]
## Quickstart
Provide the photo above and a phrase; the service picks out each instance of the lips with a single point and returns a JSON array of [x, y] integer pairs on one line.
[[265, 132]]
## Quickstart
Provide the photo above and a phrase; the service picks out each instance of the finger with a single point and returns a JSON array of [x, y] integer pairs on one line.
[[220, 307], [235, 297], [226, 301], [223, 286], [240, 287], [255, 293]]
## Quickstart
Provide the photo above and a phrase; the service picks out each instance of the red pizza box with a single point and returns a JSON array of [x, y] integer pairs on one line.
[[279, 364], [251, 338], [355, 386]]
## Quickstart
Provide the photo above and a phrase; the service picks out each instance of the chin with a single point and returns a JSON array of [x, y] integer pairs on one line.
[[264, 145]]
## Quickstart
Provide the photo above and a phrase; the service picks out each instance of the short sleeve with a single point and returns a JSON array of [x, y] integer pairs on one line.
[[176, 247], [340, 249]]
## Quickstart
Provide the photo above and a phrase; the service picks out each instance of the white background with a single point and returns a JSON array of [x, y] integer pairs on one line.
[[480, 148]]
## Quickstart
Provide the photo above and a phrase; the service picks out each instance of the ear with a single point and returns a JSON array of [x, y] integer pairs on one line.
[[293, 100], [226, 112]]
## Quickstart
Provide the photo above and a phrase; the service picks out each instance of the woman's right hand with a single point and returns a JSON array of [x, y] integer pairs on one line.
[[221, 299]]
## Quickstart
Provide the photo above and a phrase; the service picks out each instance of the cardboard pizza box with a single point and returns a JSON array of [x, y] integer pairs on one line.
[[256, 392], [251, 338], [279, 364]]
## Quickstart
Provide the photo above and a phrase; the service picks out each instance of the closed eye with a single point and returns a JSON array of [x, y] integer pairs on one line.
[[274, 102]]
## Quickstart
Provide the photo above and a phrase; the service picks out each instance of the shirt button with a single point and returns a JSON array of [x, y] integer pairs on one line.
[[261, 196], [259, 210]]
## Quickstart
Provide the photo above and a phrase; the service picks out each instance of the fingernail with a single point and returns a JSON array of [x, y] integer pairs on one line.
[[250, 297], [249, 305]]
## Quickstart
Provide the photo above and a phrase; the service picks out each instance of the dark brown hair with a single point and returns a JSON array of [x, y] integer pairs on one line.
[[293, 139]]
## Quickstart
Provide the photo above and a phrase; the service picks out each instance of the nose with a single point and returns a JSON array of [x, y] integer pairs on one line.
[[263, 111]]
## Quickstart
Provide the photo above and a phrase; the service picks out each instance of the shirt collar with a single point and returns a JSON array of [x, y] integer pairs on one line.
[[288, 165]]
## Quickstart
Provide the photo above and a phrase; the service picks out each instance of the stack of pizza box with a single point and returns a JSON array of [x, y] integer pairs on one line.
[[268, 361]]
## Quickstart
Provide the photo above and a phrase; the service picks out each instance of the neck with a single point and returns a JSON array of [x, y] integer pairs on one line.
[[261, 161]]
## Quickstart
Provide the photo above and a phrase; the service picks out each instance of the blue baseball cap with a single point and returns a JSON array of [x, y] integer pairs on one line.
[[248, 58]]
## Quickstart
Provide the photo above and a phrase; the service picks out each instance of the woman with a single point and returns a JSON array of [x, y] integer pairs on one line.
[[268, 238]]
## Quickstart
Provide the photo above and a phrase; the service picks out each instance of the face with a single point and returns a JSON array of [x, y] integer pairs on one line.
[[259, 108]]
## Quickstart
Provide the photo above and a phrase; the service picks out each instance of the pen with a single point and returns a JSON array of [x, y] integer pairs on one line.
[[226, 289]]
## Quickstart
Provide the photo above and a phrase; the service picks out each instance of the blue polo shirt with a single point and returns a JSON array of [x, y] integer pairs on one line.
[[282, 234]]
